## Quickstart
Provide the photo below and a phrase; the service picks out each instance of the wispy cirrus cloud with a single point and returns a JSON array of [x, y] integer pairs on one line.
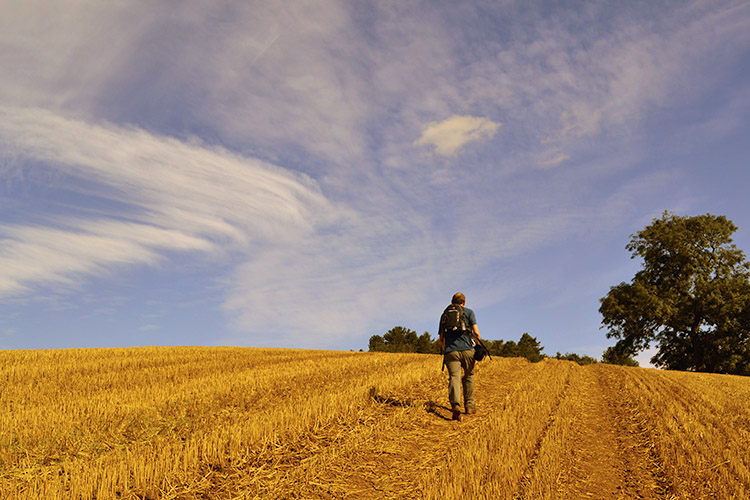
[[172, 196], [31, 256], [564, 86], [198, 189]]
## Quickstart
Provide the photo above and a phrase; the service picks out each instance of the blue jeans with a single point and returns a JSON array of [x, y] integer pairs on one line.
[[455, 361]]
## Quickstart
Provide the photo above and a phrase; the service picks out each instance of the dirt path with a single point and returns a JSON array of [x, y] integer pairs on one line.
[[612, 454]]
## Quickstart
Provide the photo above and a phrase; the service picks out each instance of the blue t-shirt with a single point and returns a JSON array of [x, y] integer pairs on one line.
[[462, 342]]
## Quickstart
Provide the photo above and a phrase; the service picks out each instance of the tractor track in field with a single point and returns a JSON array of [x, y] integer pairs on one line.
[[613, 452], [525, 482]]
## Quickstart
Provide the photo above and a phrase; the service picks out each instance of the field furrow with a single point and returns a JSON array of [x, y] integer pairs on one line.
[[694, 430], [225, 417]]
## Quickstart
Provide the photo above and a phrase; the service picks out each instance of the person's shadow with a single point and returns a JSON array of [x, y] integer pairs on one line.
[[432, 407], [439, 410]]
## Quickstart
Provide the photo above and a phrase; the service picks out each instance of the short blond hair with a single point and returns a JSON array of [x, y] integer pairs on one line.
[[458, 298]]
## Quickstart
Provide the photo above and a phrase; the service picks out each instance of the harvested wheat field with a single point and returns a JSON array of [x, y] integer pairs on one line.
[[196, 422]]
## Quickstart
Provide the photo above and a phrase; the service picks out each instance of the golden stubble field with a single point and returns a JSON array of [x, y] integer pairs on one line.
[[198, 422]]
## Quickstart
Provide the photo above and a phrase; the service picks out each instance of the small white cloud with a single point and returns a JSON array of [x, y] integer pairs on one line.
[[553, 159], [450, 135]]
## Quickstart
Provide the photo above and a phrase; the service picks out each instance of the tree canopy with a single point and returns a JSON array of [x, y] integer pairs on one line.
[[691, 297]]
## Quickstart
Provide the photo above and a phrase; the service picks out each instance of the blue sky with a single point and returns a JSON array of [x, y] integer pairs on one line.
[[308, 174]]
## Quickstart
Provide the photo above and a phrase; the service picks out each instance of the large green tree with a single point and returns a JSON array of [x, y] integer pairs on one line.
[[691, 297]]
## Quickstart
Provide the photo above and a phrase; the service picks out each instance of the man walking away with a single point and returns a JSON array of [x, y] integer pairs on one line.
[[458, 325]]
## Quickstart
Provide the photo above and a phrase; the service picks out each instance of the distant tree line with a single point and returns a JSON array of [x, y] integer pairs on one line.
[[527, 347], [577, 358], [400, 339]]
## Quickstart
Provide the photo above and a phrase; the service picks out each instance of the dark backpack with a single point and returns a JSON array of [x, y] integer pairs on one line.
[[453, 320]]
